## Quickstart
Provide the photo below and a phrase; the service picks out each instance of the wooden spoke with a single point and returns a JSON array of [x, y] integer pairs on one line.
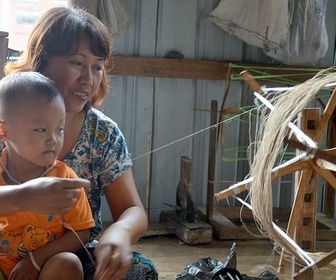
[[311, 161]]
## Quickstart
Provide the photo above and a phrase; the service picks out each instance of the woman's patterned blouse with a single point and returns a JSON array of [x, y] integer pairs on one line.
[[101, 156]]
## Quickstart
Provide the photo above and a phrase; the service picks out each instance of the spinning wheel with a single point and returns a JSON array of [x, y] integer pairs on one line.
[[311, 161]]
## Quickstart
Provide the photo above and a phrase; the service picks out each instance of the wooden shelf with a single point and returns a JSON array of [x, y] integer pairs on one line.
[[193, 69]]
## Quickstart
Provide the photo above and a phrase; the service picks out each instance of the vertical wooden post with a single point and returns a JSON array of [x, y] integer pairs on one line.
[[3, 51], [148, 173], [211, 160], [305, 232], [185, 193], [329, 208]]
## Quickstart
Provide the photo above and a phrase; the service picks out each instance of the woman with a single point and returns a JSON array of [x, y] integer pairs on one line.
[[71, 47]]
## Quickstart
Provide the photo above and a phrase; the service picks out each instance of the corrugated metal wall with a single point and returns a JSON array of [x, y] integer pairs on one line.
[[164, 119]]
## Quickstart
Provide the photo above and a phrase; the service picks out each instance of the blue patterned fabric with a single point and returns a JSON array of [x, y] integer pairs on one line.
[[101, 156], [142, 268]]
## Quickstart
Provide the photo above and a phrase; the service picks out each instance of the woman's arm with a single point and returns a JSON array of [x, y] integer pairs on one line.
[[46, 195], [126, 207], [114, 252]]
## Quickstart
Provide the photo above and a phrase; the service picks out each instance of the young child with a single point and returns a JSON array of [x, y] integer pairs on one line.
[[37, 245]]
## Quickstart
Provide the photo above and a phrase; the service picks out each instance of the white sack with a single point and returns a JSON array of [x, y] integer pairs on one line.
[[261, 23], [307, 38]]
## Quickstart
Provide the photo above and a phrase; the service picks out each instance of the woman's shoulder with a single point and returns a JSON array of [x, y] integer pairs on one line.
[[98, 116], [97, 120], [101, 127]]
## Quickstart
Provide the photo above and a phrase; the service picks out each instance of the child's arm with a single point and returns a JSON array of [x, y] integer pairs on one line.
[[68, 242]]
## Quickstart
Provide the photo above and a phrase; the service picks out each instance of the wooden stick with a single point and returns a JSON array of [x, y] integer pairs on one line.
[[295, 164], [325, 164], [148, 173], [211, 160], [297, 131], [327, 114], [319, 264], [325, 173], [316, 153], [254, 85], [286, 241], [295, 212]]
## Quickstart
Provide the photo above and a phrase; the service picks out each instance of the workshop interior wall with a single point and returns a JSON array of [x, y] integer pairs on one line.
[[164, 119]]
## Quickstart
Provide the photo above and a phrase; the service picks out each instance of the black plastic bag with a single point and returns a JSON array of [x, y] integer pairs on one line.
[[212, 269], [208, 268]]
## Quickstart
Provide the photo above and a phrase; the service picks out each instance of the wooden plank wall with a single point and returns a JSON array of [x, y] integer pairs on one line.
[[166, 111], [158, 114]]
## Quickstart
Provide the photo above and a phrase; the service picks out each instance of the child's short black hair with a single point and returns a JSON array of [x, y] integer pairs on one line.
[[16, 87]]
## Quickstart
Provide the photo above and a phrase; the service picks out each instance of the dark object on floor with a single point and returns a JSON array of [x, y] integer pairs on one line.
[[203, 269], [174, 54], [208, 268], [231, 260], [212, 269], [266, 275], [227, 273]]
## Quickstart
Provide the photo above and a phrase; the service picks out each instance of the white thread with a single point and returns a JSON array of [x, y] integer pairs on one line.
[[14, 180], [33, 261], [68, 226], [314, 267], [190, 135]]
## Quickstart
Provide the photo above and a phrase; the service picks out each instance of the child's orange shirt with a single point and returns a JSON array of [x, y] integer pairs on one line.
[[25, 231]]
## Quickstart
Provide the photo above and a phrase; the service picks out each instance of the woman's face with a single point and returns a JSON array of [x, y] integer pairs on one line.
[[78, 76]]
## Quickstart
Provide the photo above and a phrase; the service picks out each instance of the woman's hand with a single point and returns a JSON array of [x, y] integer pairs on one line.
[[45, 195], [113, 254], [53, 195]]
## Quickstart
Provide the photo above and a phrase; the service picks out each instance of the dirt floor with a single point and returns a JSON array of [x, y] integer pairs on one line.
[[171, 256]]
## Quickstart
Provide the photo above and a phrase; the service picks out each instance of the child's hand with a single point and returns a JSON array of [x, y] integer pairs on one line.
[[24, 270]]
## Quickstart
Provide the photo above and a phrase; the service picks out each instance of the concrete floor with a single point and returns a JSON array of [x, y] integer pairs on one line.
[[171, 256]]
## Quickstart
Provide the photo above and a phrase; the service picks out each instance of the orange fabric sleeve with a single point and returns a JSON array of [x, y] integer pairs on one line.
[[80, 216]]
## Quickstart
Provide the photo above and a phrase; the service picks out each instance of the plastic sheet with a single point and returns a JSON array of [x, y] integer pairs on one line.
[[208, 268], [203, 269], [212, 269]]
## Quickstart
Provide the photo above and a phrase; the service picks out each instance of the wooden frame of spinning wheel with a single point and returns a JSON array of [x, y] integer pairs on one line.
[[317, 161]]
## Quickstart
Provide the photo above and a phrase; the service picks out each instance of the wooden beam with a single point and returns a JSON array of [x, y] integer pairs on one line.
[[190, 233], [195, 69], [168, 68]]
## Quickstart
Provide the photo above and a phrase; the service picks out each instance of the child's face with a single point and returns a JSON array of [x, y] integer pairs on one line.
[[35, 131]]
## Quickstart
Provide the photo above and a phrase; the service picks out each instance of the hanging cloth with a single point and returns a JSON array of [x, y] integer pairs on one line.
[[91, 6], [261, 23], [307, 38], [110, 12]]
